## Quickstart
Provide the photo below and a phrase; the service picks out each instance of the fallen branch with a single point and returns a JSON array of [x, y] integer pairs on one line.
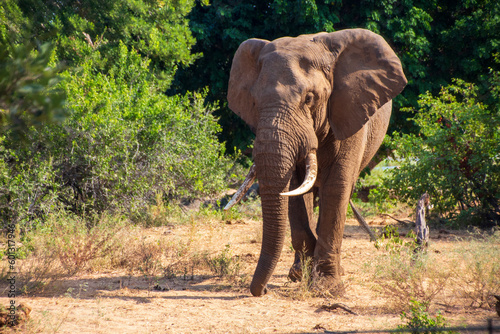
[[332, 307], [406, 221], [362, 222]]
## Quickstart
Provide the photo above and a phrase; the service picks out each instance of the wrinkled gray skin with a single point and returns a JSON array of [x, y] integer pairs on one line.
[[328, 93]]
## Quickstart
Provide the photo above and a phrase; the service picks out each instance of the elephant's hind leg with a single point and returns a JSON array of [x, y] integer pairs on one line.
[[302, 225]]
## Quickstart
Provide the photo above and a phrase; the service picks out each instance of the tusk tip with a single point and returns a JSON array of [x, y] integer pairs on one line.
[[289, 194]]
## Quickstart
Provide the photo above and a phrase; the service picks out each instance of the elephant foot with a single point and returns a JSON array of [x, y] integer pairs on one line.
[[296, 273], [328, 285], [327, 280]]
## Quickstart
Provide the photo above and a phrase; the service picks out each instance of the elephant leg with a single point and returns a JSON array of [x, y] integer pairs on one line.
[[302, 225], [335, 193]]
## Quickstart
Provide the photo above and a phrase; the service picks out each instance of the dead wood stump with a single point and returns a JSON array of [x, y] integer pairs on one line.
[[421, 228]]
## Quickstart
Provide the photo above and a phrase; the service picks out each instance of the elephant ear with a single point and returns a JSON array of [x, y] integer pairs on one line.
[[366, 75], [244, 72]]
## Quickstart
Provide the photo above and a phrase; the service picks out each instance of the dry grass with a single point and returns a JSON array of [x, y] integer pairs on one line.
[[218, 251], [405, 276], [303, 289], [223, 264], [311, 284], [65, 246], [471, 271], [477, 273], [36, 271]]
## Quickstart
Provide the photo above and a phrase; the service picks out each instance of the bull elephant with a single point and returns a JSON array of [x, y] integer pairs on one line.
[[320, 106]]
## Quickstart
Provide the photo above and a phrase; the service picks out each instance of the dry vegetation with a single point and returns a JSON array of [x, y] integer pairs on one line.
[[189, 271]]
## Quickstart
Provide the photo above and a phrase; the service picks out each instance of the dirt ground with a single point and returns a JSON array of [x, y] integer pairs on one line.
[[115, 302]]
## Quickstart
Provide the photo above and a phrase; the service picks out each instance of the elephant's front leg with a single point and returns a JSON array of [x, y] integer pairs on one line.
[[302, 225], [335, 192]]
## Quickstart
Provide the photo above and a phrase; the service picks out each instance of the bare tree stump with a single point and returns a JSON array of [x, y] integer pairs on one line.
[[422, 230]]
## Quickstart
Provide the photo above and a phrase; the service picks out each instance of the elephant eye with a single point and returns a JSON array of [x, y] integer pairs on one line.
[[309, 98]]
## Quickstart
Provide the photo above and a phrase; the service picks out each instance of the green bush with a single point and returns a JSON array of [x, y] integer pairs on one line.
[[28, 186], [28, 80], [158, 30], [455, 157], [124, 142], [418, 320], [224, 264]]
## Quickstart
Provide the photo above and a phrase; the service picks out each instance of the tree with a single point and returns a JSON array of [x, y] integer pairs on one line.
[[436, 40], [28, 76], [157, 29]]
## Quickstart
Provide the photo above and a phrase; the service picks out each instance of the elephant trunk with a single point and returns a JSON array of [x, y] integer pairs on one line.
[[274, 163], [274, 215], [274, 212]]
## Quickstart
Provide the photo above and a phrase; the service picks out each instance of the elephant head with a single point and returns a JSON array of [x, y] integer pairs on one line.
[[295, 94]]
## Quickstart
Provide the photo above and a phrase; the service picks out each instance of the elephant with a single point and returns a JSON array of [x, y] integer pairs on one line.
[[319, 105]]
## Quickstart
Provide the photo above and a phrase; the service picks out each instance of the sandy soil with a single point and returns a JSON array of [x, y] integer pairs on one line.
[[115, 302]]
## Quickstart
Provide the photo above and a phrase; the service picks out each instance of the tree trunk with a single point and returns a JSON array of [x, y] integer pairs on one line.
[[422, 230]]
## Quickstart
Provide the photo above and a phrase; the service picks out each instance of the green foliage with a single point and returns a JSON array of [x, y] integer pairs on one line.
[[157, 29], [420, 321], [123, 143], [455, 156], [371, 196], [224, 264], [28, 189], [379, 197], [382, 199], [12, 22], [391, 241], [28, 76]]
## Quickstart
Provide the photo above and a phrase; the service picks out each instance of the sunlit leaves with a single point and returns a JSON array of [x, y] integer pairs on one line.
[[455, 156]]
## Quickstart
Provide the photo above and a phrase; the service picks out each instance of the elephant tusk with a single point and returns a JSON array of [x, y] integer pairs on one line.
[[309, 180], [243, 188]]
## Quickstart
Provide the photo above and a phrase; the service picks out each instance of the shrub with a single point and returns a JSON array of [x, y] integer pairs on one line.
[[390, 240], [224, 264], [28, 186], [418, 320], [124, 143], [28, 76], [455, 157]]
